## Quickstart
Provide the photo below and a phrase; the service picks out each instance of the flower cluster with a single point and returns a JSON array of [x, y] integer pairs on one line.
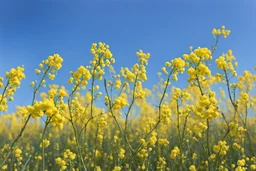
[[163, 142], [236, 130], [241, 165], [207, 107], [221, 32], [221, 148], [161, 164], [152, 140], [68, 158], [199, 128], [199, 54], [102, 57], [175, 153], [121, 153], [180, 94], [100, 50], [102, 125], [117, 168], [120, 102], [45, 143], [198, 69], [143, 57], [52, 105], [79, 78], [246, 82], [226, 62], [192, 168], [39, 108], [127, 74], [118, 82], [165, 113], [14, 78], [77, 108], [139, 91], [138, 71], [49, 67], [143, 154], [175, 66], [18, 157]]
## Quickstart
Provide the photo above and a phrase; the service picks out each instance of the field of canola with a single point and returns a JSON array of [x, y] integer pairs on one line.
[[165, 128]]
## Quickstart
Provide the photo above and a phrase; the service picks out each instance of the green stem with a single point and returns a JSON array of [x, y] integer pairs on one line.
[[129, 109]]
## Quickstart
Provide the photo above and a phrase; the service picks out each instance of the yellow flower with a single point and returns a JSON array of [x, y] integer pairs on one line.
[[38, 71], [121, 154], [253, 167], [117, 168], [4, 167], [192, 168], [241, 162], [175, 152]]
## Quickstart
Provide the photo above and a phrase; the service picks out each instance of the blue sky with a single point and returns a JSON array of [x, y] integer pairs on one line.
[[31, 30]]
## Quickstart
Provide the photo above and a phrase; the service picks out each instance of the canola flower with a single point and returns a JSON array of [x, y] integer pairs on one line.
[[13, 81], [135, 128]]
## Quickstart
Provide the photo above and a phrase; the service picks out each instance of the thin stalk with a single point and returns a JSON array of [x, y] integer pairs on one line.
[[129, 109], [114, 117], [48, 120], [74, 128], [139, 148], [236, 111], [95, 148], [178, 123]]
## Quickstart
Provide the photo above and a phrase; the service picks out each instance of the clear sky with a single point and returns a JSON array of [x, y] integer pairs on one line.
[[31, 30]]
